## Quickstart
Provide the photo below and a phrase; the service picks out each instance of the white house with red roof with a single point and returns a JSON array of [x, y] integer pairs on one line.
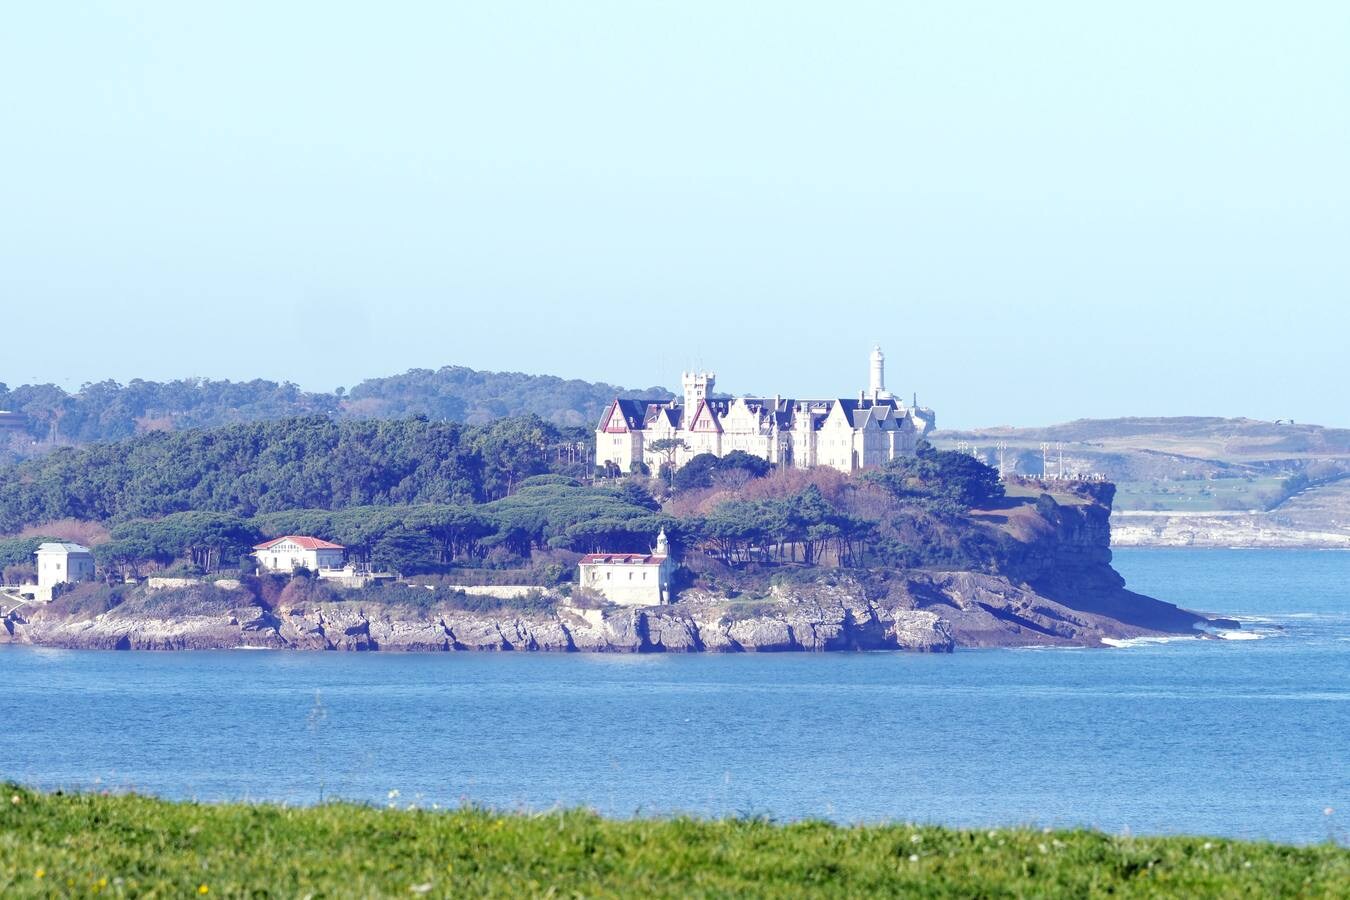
[[294, 551], [843, 432], [630, 579]]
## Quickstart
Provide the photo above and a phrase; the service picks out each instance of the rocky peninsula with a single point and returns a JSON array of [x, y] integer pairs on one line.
[[1053, 585]]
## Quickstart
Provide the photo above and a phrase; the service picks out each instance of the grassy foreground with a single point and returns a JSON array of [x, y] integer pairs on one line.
[[130, 845]]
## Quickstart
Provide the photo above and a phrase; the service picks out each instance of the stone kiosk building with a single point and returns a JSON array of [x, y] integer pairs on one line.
[[844, 433], [630, 579]]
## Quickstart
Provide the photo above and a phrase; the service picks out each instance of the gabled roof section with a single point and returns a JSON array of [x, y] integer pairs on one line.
[[663, 416], [62, 547], [841, 411], [705, 418], [623, 415], [304, 542]]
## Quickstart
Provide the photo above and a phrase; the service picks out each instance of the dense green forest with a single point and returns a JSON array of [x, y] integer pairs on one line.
[[108, 411], [415, 496], [299, 463]]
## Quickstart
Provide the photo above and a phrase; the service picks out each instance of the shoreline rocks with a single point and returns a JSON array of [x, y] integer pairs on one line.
[[922, 611]]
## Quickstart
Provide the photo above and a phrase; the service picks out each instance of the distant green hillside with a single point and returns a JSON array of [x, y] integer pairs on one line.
[[1188, 463], [108, 411], [1202, 437], [457, 394], [55, 845]]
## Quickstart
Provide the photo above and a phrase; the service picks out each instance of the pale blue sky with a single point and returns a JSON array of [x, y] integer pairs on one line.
[[1043, 211]]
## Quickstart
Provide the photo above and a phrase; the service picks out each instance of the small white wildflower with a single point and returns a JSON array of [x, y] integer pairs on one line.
[[1043, 848], [1208, 846], [1045, 830], [1247, 864], [993, 834], [914, 857], [393, 794], [420, 888], [913, 838]]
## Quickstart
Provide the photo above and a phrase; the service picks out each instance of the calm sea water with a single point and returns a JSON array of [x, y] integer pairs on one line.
[[1246, 738]]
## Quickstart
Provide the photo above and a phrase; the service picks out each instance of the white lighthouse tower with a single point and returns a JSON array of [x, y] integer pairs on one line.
[[876, 388]]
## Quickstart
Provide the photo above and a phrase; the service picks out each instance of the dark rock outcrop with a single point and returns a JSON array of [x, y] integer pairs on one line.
[[1069, 564]]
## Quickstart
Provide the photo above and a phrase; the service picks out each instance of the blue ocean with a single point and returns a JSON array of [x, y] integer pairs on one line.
[[1247, 735]]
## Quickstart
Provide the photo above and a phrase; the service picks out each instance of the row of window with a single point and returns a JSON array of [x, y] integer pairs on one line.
[[595, 576], [77, 565]]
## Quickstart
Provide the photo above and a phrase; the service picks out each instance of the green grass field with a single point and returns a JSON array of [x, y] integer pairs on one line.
[[54, 845], [1197, 495]]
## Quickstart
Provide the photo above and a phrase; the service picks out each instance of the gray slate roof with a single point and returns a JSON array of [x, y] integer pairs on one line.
[[62, 547]]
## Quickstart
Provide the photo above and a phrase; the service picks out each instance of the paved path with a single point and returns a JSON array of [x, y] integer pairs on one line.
[[14, 601]]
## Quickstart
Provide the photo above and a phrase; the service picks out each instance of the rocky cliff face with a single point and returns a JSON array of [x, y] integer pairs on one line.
[[1068, 561], [1070, 543], [837, 617], [927, 612]]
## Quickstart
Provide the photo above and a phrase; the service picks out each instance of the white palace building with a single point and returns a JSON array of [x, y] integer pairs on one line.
[[845, 433]]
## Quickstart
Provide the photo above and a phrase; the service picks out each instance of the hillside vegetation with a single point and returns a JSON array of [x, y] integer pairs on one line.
[[107, 410], [413, 497], [279, 465], [1197, 436], [135, 846]]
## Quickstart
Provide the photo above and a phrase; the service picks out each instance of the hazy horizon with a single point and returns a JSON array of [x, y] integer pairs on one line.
[[1041, 213]]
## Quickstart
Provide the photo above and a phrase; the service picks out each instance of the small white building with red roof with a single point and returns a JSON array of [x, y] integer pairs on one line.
[[295, 551], [630, 579]]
